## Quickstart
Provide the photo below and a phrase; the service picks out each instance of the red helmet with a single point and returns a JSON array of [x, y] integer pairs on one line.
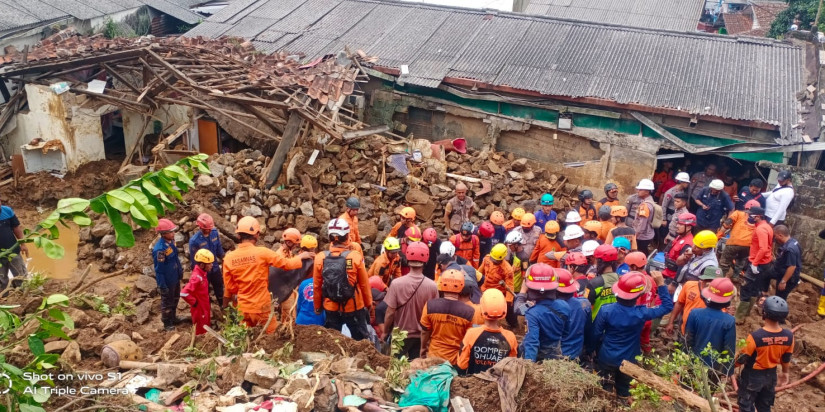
[[566, 282], [205, 221], [165, 225], [417, 252], [541, 277], [377, 283], [630, 285], [637, 259], [413, 233], [486, 229], [687, 219], [430, 235], [292, 235], [752, 203], [575, 258], [720, 290], [606, 253]]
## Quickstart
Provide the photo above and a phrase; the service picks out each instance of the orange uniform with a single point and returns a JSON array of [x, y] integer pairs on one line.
[[607, 226], [354, 236], [468, 250], [447, 321], [761, 244], [741, 232], [246, 274], [543, 246], [604, 201], [385, 268], [483, 347], [357, 275], [691, 298], [494, 274], [587, 214]]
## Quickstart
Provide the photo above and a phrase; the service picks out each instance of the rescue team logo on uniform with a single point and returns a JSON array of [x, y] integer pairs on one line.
[[161, 257], [775, 340], [243, 260], [308, 292], [349, 264]]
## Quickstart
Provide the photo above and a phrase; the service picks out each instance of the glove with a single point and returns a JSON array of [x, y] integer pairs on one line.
[[754, 269]]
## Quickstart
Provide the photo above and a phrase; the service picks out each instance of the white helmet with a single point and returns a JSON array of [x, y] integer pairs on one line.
[[447, 248], [589, 247], [573, 232], [645, 184], [716, 184], [683, 177], [573, 217], [513, 237], [338, 227]]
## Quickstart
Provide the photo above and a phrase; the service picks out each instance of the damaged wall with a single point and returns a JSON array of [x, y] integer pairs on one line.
[[171, 117]]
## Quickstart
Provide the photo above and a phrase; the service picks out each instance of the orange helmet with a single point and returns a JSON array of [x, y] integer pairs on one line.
[[292, 235], [528, 220], [518, 213], [248, 225], [637, 259], [451, 280], [618, 211], [593, 226], [551, 227], [493, 304], [413, 233], [497, 218], [407, 213]]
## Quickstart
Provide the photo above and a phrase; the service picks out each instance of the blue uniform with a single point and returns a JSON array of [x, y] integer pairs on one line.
[[706, 325], [213, 243], [306, 311], [578, 326], [542, 218], [622, 269], [168, 270], [618, 328], [499, 234], [718, 206], [546, 322]]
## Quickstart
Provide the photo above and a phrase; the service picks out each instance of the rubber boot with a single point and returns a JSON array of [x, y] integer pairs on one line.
[[821, 309], [743, 310]]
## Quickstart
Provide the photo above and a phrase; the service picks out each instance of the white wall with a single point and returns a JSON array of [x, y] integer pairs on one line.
[[171, 115]]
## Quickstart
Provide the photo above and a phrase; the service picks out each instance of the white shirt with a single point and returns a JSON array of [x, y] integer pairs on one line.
[[777, 201]]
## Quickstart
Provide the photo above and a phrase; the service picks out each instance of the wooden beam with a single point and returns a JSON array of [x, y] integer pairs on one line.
[[660, 384], [352, 134], [291, 133], [265, 119], [63, 64], [174, 70], [251, 100], [4, 91], [120, 78], [318, 123], [687, 147]]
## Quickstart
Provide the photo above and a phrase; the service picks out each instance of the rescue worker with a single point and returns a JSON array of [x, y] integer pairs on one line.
[[700, 180], [778, 199], [351, 216], [467, 244], [753, 192], [622, 246], [621, 229], [497, 219], [588, 248], [572, 218], [643, 221], [680, 201], [459, 209], [668, 198], [714, 206], [407, 216], [341, 284], [759, 272], [516, 257], [662, 178], [208, 238], [765, 349], [445, 320], [283, 283], [636, 262], [611, 191], [606, 220], [498, 274], [516, 215], [579, 322], [545, 213], [530, 233], [547, 246], [690, 298], [695, 259], [485, 232], [306, 290], [788, 264], [737, 247], [713, 326], [484, 346], [600, 288], [617, 328], [547, 318], [430, 238], [245, 274], [378, 311], [168, 272], [592, 228], [196, 291], [413, 234], [586, 209], [577, 264], [387, 265], [678, 246], [406, 299], [472, 277]]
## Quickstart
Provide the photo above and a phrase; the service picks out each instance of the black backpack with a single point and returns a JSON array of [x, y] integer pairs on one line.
[[336, 286]]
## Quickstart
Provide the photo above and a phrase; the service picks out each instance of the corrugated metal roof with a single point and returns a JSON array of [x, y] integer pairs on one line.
[[677, 15], [175, 10], [742, 79]]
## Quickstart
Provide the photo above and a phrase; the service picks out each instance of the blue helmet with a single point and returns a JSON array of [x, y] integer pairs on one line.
[[547, 199]]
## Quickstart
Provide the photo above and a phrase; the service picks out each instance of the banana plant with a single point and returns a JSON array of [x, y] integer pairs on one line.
[[138, 203]]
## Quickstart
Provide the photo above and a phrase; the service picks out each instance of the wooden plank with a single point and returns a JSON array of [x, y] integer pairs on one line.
[[352, 134], [265, 119], [120, 78], [291, 133], [664, 133], [251, 100], [63, 64]]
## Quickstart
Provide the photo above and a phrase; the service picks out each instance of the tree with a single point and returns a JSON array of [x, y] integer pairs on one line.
[[804, 10]]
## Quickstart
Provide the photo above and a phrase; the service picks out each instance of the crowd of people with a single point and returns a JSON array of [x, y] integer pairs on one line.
[[586, 283]]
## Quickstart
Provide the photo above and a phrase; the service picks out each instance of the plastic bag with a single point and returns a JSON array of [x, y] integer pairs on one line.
[[431, 388]]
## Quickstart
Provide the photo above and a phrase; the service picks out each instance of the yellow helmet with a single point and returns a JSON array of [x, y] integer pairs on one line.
[[518, 213], [499, 252], [391, 244], [204, 256], [309, 242], [705, 240]]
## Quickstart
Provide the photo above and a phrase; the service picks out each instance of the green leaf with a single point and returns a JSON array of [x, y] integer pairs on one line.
[[149, 187], [36, 345], [166, 184], [200, 156], [9, 306], [14, 370], [98, 204], [178, 173], [52, 250], [41, 395], [119, 200], [81, 219], [72, 205], [137, 195], [156, 204], [202, 168], [124, 235], [30, 408], [144, 213], [54, 233], [57, 299], [61, 316], [50, 220]]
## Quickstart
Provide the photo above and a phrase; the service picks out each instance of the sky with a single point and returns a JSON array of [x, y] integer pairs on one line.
[[506, 5]]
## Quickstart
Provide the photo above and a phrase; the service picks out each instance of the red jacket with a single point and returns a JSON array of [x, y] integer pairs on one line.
[[761, 244]]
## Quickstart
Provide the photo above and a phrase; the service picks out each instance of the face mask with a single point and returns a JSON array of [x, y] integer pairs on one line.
[[752, 220]]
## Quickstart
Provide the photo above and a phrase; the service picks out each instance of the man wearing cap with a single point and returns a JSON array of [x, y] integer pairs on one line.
[[691, 297], [351, 216], [788, 261], [168, 272], [778, 199], [713, 326], [714, 205], [753, 192], [682, 184], [207, 237], [458, 209], [759, 272], [644, 216], [737, 247]]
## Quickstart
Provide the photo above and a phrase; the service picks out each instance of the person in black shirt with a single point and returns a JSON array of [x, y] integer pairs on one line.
[[788, 262], [753, 192], [10, 231]]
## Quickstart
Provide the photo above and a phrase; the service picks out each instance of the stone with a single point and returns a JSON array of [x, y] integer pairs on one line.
[[168, 375], [272, 223], [101, 229], [205, 401], [519, 165], [146, 284], [384, 222], [231, 185], [71, 355], [86, 251], [56, 346], [322, 214], [328, 179], [276, 209], [302, 223], [252, 210], [295, 384], [85, 234], [180, 238], [222, 192], [342, 366], [368, 230], [261, 373], [493, 166], [528, 175], [216, 169], [136, 336], [116, 337], [514, 175], [112, 323], [80, 318], [307, 209], [109, 254], [205, 181], [333, 148], [108, 241], [229, 171], [143, 312]]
